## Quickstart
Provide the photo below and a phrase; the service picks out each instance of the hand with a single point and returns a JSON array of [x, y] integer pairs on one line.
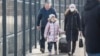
[[64, 32], [38, 27], [45, 38]]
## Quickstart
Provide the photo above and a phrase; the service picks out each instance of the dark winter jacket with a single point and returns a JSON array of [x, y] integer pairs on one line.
[[72, 25], [91, 26], [43, 16]]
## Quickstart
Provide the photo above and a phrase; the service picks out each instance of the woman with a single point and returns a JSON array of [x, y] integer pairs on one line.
[[71, 27]]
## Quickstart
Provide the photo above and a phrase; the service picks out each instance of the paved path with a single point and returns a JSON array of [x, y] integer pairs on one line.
[[36, 52]]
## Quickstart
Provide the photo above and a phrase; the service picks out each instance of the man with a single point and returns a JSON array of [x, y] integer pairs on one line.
[[91, 27], [43, 18]]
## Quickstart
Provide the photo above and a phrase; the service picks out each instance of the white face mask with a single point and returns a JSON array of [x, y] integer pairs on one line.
[[72, 9]]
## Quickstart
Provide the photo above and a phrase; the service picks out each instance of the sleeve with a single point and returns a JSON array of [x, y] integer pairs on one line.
[[46, 30], [59, 29], [83, 25], [79, 21], [65, 22], [39, 17], [99, 15]]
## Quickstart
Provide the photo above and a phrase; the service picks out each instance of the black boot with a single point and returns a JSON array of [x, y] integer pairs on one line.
[[69, 54], [42, 50]]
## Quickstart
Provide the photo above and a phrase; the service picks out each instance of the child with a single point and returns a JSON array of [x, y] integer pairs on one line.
[[51, 32]]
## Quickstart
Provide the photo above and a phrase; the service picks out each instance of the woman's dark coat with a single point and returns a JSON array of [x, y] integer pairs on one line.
[[72, 25]]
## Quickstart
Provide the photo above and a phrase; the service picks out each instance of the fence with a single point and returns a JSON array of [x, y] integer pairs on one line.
[[18, 18]]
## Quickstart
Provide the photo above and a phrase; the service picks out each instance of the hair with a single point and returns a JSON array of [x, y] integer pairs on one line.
[[48, 3], [49, 19], [67, 11]]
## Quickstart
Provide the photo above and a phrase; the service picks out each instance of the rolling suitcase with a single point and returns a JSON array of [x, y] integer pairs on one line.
[[63, 46]]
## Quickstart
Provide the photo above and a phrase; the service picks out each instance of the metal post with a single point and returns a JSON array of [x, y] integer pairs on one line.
[[4, 26], [39, 4], [30, 25], [82, 2], [15, 27], [74, 1], [39, 9], [60, 12], [53, 3], [78, 5], [24, 28], [35, 21], [81, 6], [65, 4], [70, 1], [45, 0]]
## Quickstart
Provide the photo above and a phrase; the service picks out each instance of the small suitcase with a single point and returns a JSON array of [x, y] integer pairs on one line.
[[63, 46]]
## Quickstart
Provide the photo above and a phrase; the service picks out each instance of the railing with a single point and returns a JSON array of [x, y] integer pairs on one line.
[[30, 9]]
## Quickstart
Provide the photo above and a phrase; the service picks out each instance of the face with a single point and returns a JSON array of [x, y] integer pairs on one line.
[[72, 8], [47, 6], [53, 19]]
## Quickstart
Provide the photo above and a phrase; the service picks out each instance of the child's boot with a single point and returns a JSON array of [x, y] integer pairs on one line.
[[55, 52], [50, 54]]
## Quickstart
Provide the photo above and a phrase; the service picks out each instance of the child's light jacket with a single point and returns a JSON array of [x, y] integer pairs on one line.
[[52, 31]]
